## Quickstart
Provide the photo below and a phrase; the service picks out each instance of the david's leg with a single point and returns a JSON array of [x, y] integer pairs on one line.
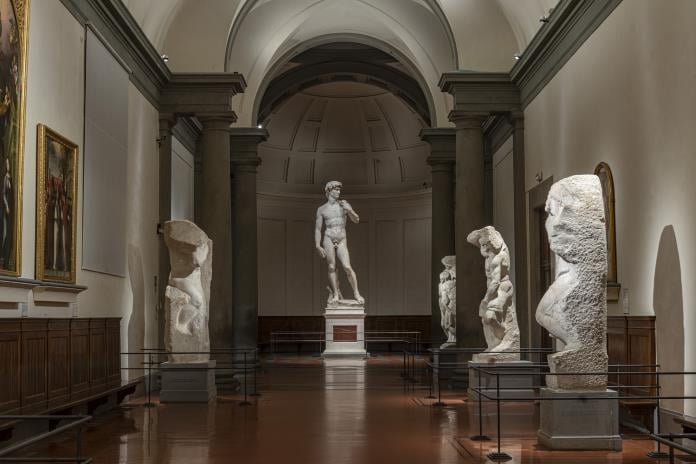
[[333, 276], [344, 257]]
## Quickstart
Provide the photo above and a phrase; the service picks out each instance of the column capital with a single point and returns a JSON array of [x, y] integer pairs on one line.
[[443, 145], [244, 145], [468, 119], [516, 119], [167, 121], [218, 120]]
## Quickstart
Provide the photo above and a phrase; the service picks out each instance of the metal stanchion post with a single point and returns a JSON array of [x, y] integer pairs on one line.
[[658, 453], [256, 367], [246, 401], [480, 436], [403, 371], [498, 456], [430, 387], [148, 384], [78, 445], [439, 402]]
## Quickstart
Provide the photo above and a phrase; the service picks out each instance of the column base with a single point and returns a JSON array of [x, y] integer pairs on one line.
[[188, 382], [579, 424]]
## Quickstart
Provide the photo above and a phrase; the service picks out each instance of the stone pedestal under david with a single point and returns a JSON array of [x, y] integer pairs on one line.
[[345, 318]]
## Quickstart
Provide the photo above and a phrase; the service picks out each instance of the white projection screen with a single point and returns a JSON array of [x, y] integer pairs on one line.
[[105, 160]]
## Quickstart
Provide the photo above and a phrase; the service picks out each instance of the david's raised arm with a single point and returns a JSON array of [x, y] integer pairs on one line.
[[350, 211]]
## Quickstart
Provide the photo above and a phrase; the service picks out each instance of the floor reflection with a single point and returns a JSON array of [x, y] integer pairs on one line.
[[338, 411]]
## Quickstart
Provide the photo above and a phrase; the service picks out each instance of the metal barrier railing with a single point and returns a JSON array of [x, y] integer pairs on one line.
[[319, 337], [76, 421], [244, 361], [542, 370]]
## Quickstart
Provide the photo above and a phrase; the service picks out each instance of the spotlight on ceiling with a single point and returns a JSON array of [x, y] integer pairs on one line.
[[260, 126], [165, 58], [544, 19], [517, 56]]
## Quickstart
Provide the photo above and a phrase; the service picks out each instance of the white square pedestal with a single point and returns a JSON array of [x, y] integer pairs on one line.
[[188, 382], [517, 379], [345, 332], [581, 423]]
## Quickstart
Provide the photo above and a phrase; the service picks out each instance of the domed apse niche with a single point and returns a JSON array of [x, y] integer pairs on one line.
[[328, 123], [348, 112]]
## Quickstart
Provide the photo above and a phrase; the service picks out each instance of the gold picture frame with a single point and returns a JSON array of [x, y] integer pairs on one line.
[[14, 25], [56, 206], [606, 178]]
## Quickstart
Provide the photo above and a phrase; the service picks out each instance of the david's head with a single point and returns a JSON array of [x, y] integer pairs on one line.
[[333, 189]]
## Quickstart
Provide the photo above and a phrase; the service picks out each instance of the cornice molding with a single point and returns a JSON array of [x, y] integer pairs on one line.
[[496, 131], [569, 26], [177, 93], [443, 144], [480, 92], [112, 20]]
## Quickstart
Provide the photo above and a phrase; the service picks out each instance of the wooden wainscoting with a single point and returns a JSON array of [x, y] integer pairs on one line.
[[631, 340], [47, 364]]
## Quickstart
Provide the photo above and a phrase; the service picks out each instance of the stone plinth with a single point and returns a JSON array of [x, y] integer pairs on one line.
[[579, 424], [517, 379], [188, 382], [345, 330]]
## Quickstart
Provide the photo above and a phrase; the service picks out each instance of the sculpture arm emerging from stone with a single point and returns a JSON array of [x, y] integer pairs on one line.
[[574, 308], [497, 308], [187, 295]]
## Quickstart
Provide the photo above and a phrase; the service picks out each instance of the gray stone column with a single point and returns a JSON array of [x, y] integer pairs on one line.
[[469, 215], [441, 160], [244, 161], [164, 142], [214, 218], [520, 215]]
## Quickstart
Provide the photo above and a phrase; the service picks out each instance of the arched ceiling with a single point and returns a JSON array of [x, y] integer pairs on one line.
[[258, 37], [358, 133]]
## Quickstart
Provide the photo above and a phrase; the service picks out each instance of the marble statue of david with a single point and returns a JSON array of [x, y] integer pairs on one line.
[[333, 216]]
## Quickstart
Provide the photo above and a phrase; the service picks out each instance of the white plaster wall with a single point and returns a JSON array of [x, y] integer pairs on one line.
[[389, 250], [627, 97], [55, 97]]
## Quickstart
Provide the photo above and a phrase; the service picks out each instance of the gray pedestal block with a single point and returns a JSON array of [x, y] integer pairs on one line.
[[579, 424], [518, 380], [188, 382]]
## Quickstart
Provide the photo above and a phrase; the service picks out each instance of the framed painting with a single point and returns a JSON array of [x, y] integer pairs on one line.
[[606, 178], [56, 206], [14, 16]]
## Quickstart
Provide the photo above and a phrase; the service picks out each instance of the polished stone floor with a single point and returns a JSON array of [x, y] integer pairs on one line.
[[338, 412]]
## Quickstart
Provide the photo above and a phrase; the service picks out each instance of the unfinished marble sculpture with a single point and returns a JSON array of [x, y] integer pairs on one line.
[[497, 308], [447, 291], [334, 216], [574, 308], [188, 292]]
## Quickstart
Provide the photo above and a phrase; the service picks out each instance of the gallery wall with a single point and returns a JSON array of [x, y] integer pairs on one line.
[[389, 251], [627, 97], [55, 97]]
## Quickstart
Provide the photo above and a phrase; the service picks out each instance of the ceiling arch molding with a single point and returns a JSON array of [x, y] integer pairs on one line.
[[412, 69], [297, 79], [247, 6]]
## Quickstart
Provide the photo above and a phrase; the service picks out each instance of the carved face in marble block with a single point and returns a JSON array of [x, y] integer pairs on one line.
[[574, 308]]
